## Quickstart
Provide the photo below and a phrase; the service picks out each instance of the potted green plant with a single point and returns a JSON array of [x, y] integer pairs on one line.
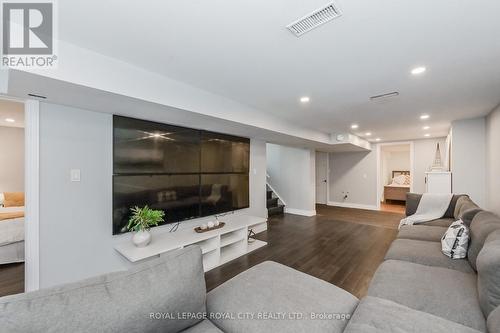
[[141, 221]]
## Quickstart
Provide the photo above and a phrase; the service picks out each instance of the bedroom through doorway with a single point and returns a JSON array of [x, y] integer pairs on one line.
[[395, 175], [12, 198]]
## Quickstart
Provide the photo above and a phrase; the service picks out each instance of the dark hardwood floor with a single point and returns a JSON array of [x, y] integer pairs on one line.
[[11, 279], [340, 245]]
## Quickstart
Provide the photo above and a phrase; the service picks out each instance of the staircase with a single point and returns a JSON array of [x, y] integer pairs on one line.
[[274, 206]]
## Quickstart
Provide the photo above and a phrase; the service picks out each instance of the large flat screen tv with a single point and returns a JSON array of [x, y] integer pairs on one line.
[[185, 172]]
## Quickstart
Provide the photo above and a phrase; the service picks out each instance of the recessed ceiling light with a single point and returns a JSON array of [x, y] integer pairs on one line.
[[418, 70], [305, 99], [427, 135], [378, 139], [425, 128], [10, 120], [424, 116], [354, 126], [368, 133]]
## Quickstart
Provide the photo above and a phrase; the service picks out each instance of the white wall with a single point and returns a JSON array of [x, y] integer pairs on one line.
[[425, 151], [292, 174], [76, 217], [469, 158], [356, 173], [493, 161], [396, 161], [11, 159]]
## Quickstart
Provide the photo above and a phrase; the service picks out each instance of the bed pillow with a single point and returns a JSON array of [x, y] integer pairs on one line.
[[13, 199], [2, 198], [399, 180], [455, 240]]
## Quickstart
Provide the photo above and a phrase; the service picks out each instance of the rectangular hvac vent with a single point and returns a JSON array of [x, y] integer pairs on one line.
[[384, 96], [314, 20]]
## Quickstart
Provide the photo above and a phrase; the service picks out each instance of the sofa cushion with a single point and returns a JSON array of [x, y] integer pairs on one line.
[[205, 326], [116, 302], [425, 253], [482, 225], [380, 315], [443, 292], [458, 204], [494, 321], [466, 209], [469, 215], [442, 222], [488, 271], [413, 199], [272, 288], [421, 232], [450, 213]]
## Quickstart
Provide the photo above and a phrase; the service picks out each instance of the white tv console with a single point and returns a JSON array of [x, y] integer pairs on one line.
[[218, 246]]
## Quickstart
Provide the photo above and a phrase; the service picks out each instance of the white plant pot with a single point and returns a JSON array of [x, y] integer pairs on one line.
[[141, 238]]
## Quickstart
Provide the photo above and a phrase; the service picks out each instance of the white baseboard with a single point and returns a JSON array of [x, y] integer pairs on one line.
[[352, 205], [300, 212]]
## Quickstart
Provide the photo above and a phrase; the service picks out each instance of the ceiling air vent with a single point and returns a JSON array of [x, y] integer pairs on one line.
[[384, 96], [314, 20]]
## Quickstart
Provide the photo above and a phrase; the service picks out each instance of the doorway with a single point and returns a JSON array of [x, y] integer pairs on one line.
[[322, 178], [12, 197], [395, 175]]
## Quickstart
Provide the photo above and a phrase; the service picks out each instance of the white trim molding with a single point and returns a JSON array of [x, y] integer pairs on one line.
[[32, 185], [300, 212], [352, 205]]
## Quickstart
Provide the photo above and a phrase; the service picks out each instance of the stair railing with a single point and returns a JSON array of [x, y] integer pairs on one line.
[[280, 198]]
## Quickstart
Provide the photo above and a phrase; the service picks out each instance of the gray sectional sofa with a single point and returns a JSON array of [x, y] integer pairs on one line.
[[416, 289]]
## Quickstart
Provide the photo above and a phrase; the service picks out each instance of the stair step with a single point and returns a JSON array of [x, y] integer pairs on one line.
[[275, 210], [269, 194], [273, 202]]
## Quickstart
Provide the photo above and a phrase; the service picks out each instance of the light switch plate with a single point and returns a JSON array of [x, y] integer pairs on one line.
[[75, 175]]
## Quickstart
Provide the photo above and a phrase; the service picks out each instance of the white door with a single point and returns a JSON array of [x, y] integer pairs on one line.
[[321, 177]]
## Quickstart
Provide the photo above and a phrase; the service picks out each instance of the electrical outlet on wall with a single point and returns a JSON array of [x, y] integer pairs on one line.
[[75, 175]]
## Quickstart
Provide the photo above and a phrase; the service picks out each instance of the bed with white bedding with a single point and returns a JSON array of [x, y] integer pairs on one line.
[[399, 186], [11, 235]]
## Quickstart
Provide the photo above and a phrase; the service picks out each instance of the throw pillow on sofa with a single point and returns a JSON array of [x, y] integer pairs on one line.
[[455, 240]]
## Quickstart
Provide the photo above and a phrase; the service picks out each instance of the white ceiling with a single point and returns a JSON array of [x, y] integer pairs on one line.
[[241, 50], [13, 110], [77, 96]]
